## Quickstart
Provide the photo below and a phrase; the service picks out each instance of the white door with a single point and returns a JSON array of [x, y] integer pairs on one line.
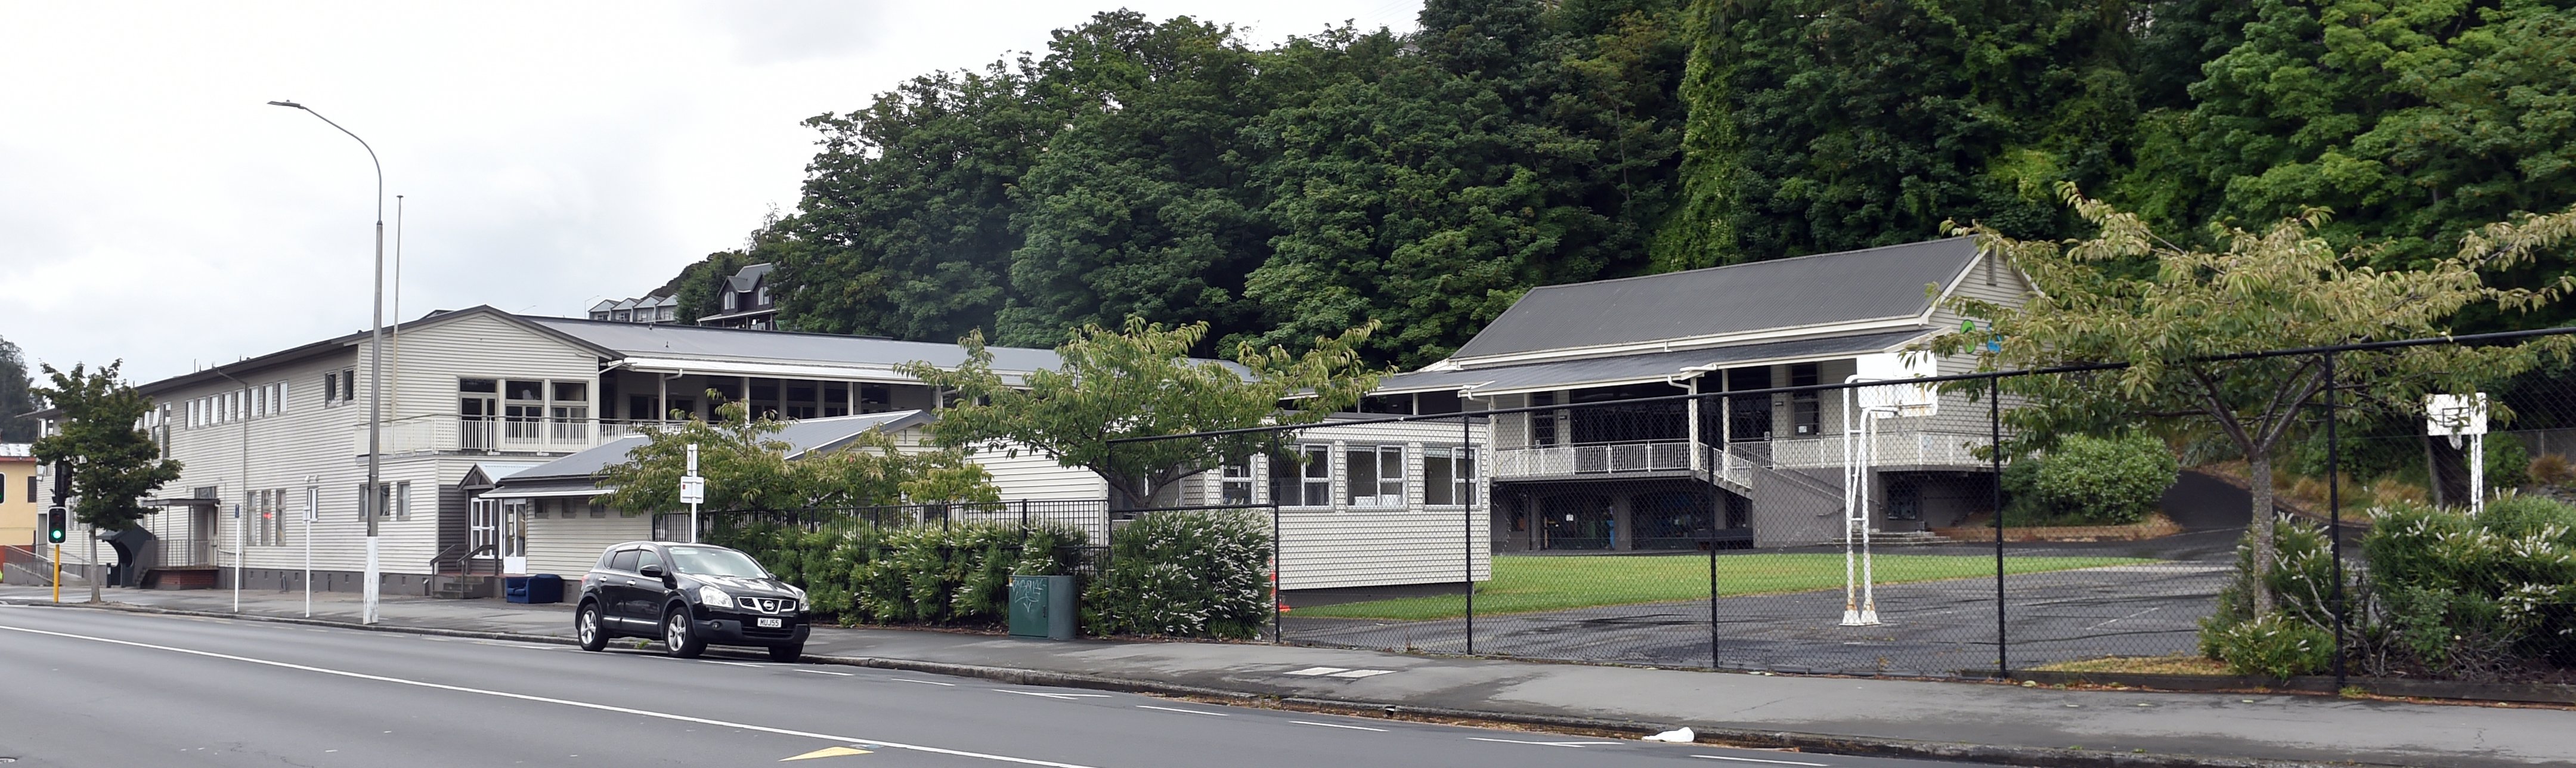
[[514, 536]]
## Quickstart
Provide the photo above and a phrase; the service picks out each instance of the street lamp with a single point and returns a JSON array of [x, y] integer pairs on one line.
[[369, 501]]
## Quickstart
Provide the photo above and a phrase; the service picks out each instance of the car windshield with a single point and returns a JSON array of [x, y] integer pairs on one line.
[[710, 561]]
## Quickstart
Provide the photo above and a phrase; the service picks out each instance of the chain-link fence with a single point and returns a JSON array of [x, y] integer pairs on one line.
[[1799, 518]]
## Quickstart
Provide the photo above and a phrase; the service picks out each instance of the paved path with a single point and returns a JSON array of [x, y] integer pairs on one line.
[[1857, 711]]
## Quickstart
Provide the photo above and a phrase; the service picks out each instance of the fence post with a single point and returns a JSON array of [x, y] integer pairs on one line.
[[2334, 518], [1276, 619], [1995, 491], [1467, 526], [1716, 516]]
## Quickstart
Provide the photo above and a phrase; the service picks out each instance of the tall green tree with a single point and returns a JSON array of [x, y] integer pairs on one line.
[[1141, 382], [2287, 286], [113, 462], [2416, 121], [17, 396], [1820, 126]]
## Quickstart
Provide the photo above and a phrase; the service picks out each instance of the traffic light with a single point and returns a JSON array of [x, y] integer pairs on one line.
[[56, 521]]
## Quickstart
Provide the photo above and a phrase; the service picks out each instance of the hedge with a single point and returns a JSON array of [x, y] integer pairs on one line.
[[957, 574]]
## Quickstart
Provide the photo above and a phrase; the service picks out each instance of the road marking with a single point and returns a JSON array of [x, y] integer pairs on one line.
[[1318, 671], [1338, 725], [821, 672], [1757, 760], [563, 702], [1066, 696], [1543, 743], [1183, 711], [827, 752], [1359, 673], [923, 682]]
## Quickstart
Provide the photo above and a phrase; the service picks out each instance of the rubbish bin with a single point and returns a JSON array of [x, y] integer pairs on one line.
[[1042, 606], [539, 588]]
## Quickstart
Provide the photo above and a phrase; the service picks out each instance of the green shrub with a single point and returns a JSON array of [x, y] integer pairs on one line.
[[955, 574], [2508, 462], [2475, 596], [2090, 481], [2519, 515], [1184, 574], [2273, 645]]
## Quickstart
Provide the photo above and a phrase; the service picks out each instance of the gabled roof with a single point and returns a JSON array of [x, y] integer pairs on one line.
[[1639, 369], [332, 345], [750, 276], [1808, 291]]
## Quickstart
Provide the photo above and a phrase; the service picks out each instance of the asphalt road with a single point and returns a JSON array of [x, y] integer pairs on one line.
[[96, 688]]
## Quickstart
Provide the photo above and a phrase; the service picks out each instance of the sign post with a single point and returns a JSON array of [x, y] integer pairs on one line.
[[312, 510], [693, 489], [2457, 416], [237, 556]]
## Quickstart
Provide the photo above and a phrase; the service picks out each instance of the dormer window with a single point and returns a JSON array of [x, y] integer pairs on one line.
[[763, 300], [732, 300]]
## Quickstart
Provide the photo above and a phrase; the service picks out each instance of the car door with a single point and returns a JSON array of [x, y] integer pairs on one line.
[[617, 587], [645, 595]]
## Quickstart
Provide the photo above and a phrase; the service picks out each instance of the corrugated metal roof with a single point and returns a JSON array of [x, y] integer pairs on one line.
[[1635, 368], [655, 340], [801, 436], [17, 450], [1823, 289]]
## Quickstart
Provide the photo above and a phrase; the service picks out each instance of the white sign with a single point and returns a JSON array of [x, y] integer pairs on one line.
[[693, 459], [693, 490], [2455, 415]]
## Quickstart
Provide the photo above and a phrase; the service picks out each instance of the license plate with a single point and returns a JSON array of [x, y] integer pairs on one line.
[[772, 623]]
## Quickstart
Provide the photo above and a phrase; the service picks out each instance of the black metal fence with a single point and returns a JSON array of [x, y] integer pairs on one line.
[[1801, 518]]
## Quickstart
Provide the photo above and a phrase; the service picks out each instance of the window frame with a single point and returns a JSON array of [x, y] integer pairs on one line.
[[1379, 455]]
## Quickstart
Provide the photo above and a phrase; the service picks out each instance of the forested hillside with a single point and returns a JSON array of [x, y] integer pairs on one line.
[[1168, 169]]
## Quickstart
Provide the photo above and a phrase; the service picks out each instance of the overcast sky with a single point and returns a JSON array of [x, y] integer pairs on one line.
[[154, 208]]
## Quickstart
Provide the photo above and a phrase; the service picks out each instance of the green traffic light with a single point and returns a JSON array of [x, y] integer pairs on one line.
[[54, 525]]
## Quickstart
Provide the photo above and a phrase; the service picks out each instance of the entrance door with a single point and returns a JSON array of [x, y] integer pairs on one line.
[[514, 536], [478, 402], [1577, 522], [483, 528], [203, 529]]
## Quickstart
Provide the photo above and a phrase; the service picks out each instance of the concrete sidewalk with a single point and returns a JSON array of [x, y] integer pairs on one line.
[[1990, 722]]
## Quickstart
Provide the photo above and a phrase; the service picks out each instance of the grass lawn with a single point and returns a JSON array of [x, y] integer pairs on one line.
[[1527, 583]]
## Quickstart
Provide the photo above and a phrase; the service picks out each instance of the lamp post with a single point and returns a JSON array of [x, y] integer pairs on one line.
[[369, 501]]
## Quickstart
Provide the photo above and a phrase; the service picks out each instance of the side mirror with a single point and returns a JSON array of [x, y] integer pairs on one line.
[[650, 572]]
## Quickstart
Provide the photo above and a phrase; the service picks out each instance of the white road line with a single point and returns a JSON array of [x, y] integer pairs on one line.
[[1338, 725], [1315, 671], [1757, 760], [1183, 711], [565, 702], [923, 682], [1543, 743], [1066, 696], [1358, 673], [821, 672]]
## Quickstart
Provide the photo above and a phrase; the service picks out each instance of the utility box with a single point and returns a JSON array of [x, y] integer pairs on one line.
[[1043, 606]]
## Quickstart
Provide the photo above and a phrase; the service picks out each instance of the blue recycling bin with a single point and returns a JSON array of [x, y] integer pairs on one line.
[[539, 588]]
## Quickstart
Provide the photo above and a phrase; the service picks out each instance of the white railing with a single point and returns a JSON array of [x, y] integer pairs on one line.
[[1900, 448], [421, 434], [1604, 458]]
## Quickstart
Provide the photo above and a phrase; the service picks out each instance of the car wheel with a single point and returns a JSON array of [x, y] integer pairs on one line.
[[679, 638], [787, 653], [585, 626]]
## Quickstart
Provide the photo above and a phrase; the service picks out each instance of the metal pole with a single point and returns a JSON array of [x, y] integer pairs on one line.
[[1276, 631], [1467, 525], [1716, 515], [2334, 517], [311, 492], [367, 500], [247, 413], [1995, 492]]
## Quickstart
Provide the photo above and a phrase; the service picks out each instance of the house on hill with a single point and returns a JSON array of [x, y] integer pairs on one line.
[[1753, 470]]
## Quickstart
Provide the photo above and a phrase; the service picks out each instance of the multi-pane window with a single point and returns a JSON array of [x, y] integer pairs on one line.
[[330, 388], [1448, 476], [1234, 481], [402, 500], [1542, 423], [1376, 475], [1806, 413], [1303, 477]]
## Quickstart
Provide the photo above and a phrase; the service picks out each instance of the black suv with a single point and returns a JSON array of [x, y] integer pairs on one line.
[[689, 595]]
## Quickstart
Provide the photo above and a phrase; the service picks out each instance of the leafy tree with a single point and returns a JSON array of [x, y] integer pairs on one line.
[[17, 396], [2283, 287], [2414, 120], [747, 467], [1141, 382], [113, 463]]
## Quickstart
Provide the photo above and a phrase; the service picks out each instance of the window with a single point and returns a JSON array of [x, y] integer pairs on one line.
[[1806, 416], [1542, 423], [624, 560], [1234, 480], [1748, 417], [597, 509], [1448, 476], [762, 299], [731, 300], [402, 500], [1303, 477], [31, 487], [1376, 475], [349, 384], [330, 388], [648, 559]]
